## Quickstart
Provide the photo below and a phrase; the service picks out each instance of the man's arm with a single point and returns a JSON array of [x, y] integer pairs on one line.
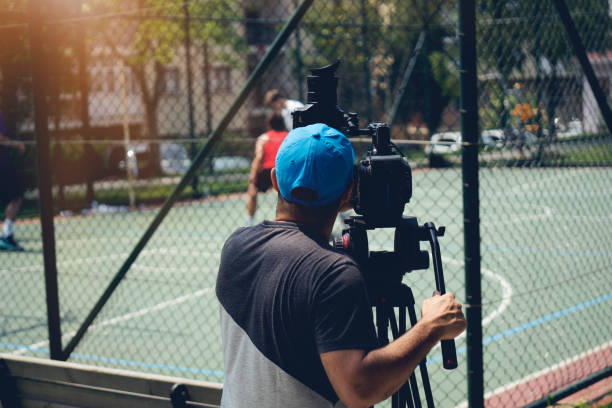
[[362, 380]]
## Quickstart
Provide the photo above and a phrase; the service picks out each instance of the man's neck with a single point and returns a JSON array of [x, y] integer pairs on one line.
[[323, 228]]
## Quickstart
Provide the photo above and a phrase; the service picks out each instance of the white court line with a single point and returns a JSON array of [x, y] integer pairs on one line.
[[78, 261], [123, 318], [527, 186], [506, 292], [521, 218], [164, 270], [585, 217], [81, 261], [537, 374]]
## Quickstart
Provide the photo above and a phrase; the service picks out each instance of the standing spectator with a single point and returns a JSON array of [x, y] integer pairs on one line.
[[11, 191], [266, 147], [282, 105]]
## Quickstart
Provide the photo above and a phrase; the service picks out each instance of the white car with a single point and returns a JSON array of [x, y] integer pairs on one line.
[[573, 128], [444, 142], [173, 158], [222, 163], [493, 137]]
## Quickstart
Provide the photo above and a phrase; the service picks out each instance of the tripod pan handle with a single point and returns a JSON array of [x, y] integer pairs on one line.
[[449, 354]]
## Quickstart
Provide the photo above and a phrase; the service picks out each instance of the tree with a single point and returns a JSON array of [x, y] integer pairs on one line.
[[375, 40], [523, 39], [151, 34], [14, 61]]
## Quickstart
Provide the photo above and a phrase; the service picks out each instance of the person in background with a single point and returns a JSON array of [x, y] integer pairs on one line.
[[280, 104], [11, 190], [296, 321], [266, 147]]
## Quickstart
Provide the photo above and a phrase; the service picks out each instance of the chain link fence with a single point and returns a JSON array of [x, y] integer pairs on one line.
[[545, 195], [134, 90]]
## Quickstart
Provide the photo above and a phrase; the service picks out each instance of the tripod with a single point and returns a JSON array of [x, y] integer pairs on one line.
[[384, 271], [402, 298]]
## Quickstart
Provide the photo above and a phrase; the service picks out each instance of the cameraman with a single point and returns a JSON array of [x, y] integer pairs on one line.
[[296, 321]]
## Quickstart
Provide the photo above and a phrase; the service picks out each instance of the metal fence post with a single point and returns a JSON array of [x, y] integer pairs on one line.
[[579, 49], [44, 178], [299, 64], [192, 147], [84, 91], [471, 233], [406, 76]]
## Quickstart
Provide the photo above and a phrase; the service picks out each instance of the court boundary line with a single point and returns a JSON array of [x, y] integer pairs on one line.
[[506, 297], [507, 291], [121, 255], [119, 319], [534, 323]]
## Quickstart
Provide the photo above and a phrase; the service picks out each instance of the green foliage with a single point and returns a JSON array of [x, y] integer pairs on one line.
[[512, 31], [375, 40], [156, 30]]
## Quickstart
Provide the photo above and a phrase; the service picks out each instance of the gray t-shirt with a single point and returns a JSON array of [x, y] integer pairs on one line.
[[287, 296]]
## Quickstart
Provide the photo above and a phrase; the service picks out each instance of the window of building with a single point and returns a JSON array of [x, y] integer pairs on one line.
[[103, 79], [171, 81], [220, 79]]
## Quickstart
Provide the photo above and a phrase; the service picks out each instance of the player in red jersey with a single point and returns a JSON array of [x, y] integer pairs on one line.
[[266, 147]]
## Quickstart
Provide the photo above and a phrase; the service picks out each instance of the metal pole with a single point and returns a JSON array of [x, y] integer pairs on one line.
[[298, 61], [207, 91], [406, 79], [366, 67], [579, 49], [471, 233], [126, 134], [214, 137], [44, 178], [192, 146], [84, 91]]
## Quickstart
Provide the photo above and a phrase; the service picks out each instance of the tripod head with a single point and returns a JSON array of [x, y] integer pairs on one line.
[[383, 179], [383, 269]]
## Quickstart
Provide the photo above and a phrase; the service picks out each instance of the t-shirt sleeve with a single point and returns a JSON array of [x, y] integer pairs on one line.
[[342, 312]]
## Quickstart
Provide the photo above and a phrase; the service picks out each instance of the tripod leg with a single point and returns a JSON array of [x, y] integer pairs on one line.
[[411, 394], [408, 394], [422, 365], [382, 325]]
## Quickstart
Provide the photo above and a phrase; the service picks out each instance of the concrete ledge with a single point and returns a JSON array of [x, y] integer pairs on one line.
[[33, 382]]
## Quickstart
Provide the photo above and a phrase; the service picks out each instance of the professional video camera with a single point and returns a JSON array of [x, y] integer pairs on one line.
[[382, 188]]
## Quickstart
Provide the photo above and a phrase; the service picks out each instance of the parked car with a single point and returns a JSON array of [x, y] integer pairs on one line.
[[573, 128], [173, 158], [493, 137], [444, 142], [224, 163], [135, 158]]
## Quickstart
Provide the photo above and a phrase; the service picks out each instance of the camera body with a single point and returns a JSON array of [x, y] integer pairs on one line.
[[383, 179], [382, 187]]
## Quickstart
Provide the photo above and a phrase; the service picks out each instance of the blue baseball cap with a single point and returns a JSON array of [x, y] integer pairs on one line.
[[317, 157]]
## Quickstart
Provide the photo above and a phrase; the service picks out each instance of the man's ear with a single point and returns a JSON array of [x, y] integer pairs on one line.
[[273, 178]]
